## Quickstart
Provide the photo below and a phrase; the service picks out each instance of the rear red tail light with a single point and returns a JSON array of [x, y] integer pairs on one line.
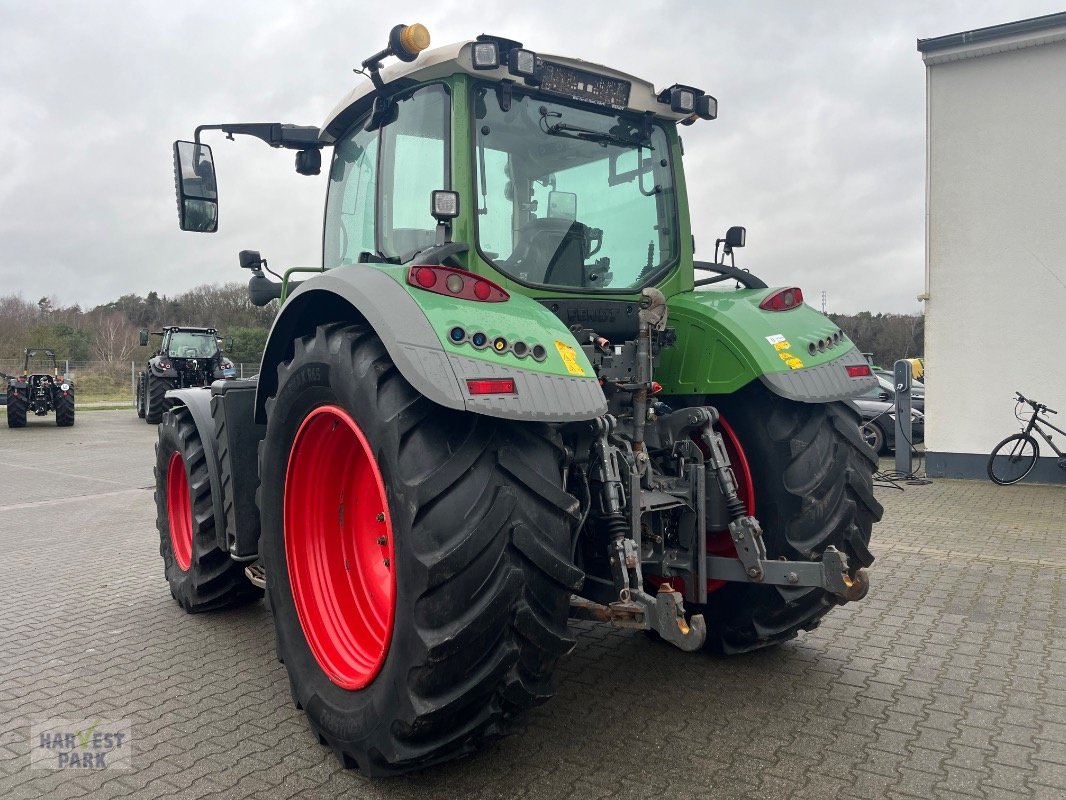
[[783, 300], [453, 282], [490, 385], [859, 371]]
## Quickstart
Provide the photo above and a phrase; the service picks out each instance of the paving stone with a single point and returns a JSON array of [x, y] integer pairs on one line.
[[947, 681]]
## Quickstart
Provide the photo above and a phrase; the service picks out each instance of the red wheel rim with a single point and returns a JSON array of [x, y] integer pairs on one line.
[[720, 543], [739, 462], [339, 547], [179, 511]]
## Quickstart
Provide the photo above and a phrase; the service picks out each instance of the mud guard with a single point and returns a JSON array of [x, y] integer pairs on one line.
[[725, 340], [198, 402], [359, 291]]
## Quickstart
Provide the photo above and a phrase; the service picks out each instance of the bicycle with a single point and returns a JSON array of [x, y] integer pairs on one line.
[[1014, 457]]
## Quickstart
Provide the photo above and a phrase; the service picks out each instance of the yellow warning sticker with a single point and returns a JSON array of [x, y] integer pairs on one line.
[[790, 360], [569, 356]]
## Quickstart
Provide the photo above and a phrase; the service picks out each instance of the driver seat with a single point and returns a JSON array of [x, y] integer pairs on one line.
[[558, 245]]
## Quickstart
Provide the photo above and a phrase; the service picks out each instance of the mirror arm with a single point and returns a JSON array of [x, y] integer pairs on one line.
[[275, 134]]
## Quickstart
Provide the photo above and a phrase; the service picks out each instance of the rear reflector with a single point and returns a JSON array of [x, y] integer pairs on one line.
[[490, 386], [783, 300], [859, 371]]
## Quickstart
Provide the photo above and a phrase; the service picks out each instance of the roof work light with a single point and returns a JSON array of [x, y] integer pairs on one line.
[[689, 100], [522, 63], [485, 55]]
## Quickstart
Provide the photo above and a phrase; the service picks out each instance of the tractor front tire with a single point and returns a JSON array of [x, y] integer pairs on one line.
[[156, 403], [202, 577], [65, 409], [16, 410], [417, 558], [812, 476]]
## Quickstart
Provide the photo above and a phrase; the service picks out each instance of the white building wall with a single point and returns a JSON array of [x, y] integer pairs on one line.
[[996, 243]]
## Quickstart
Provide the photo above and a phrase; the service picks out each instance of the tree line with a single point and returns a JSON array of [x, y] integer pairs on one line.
[[889, 337], [109, 332]]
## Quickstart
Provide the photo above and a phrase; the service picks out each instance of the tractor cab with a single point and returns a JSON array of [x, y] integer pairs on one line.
[[563, 176], [190, 344]]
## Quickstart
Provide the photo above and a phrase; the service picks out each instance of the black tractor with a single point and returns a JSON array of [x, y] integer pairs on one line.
[[39, 391], [186, 357]]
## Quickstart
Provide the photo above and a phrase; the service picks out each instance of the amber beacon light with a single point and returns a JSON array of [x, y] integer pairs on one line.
[[407, 41]]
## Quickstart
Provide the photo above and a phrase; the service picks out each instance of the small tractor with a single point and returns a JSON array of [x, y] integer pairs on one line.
[[505, 399], [186, 357], [39, 392]]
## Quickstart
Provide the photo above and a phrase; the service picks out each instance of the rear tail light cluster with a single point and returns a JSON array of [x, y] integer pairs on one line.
[[783, 300], [453, 282], [859, 371]]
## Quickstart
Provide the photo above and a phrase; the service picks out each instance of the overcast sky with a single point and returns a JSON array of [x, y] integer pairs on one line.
[[819, 148]]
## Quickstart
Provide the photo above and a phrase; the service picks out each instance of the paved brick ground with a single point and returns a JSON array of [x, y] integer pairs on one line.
[[948, 681]]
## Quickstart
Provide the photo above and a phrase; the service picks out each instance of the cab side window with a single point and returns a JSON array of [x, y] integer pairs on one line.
[[381, 179], [414, 162], [349, 228]]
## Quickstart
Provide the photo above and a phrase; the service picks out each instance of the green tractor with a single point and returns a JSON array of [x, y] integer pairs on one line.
[[504, 400]]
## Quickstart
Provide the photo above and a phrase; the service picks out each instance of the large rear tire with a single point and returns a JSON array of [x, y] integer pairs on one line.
[[416, 557], [16, 410], [812, 477], [202, 577], [156, 402], [65, 408]]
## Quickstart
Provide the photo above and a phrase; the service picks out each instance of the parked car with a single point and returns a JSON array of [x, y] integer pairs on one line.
[[885, 391], [879, 424]]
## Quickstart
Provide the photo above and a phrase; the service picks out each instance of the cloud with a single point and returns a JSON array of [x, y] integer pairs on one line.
[[819, 149]]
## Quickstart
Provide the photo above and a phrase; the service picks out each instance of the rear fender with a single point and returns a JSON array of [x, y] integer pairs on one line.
[[725, 341], [414, 332], [198, 401]]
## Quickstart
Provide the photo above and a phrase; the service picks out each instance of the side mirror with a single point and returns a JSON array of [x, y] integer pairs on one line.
[[143, 338], [883, 395], [734, 237], [229, 344], [197, 190]]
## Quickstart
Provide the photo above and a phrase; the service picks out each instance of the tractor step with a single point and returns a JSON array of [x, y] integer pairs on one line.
[[257, 574]]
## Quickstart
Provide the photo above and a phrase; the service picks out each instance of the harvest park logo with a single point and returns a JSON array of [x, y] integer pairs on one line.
[[80, 744]]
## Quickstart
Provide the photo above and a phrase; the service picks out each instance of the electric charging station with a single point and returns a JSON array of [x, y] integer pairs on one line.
[[901, 373]]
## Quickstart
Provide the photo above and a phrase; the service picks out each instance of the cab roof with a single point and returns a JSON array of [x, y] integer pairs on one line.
[[456, 58]]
